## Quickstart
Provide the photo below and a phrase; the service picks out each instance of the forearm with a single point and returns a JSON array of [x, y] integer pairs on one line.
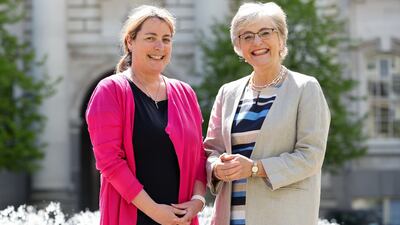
[[145, 203], [199, 188]]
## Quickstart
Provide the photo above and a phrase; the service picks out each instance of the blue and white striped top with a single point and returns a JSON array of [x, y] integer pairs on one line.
[[249, 117]]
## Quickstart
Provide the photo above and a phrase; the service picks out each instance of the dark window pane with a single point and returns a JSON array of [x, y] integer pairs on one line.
[[378, 88], [396, 84], [371, 65], [384, 67]]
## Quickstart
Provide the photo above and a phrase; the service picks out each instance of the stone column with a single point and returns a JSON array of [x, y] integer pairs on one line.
[[53, 181], [206, 13]]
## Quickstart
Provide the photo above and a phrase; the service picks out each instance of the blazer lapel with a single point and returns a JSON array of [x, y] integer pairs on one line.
[[276, 106], [231, 103]]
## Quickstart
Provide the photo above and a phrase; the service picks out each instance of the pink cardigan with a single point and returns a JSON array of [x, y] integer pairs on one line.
[[110, 118]]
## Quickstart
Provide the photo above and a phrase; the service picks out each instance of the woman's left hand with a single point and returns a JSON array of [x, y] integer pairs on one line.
[[242, 171], [192, 207]]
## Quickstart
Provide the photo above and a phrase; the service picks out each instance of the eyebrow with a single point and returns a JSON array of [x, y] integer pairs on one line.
[[154, 34], [264, 28]]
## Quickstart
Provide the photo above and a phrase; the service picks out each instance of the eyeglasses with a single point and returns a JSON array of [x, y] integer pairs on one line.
[[264, 34]]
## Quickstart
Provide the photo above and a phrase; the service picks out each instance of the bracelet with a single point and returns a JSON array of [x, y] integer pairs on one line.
[[201, 198]]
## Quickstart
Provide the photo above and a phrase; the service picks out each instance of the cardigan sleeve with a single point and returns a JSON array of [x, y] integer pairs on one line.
[[213, 142], [313, 119], [200, 169], [104, 116]]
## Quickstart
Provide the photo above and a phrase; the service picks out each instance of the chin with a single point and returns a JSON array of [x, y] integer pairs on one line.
[[157, 69]]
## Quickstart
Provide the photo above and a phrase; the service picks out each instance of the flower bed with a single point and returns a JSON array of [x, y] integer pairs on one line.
[[52, 215]]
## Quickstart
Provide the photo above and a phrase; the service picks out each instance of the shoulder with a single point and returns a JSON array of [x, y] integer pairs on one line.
[[301, 80], [114, 83], [183, 94], [177, 83], [118, 80], [308, 88], [233, 85], [179, 87], [303, 83]]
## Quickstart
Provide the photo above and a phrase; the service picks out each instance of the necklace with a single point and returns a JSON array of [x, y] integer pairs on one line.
[[258, 88], [147, 92], [273, 83]]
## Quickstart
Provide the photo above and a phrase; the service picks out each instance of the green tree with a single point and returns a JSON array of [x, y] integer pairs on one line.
[[311, 42], [21, 94]]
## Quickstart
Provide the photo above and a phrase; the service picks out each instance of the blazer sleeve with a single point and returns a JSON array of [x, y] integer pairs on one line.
[[313, 119], [213, 142], [105, 124]]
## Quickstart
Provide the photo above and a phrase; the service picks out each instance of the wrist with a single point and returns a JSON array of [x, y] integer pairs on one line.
[[201, 199], [154, 213], [214, 173], [255, 168]]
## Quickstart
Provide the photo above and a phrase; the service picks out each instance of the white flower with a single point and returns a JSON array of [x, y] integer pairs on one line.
[[52, 215]]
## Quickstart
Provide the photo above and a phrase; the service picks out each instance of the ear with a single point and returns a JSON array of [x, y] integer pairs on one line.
[[128, 42], [281, 44]]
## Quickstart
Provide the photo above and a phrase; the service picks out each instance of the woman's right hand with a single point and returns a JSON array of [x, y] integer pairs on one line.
[[167, 215], [225, 167]]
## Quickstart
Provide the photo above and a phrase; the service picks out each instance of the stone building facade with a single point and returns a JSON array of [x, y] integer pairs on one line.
[[372, 183], [81, 41]]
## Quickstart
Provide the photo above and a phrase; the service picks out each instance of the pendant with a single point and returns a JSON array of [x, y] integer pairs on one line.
[[258, 96], [156, 103]]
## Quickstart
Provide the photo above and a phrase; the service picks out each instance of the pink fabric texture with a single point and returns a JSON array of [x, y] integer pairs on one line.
[[110, 118]]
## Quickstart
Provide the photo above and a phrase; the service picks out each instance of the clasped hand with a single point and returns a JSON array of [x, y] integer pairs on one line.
[[232, 167], [178, 214]]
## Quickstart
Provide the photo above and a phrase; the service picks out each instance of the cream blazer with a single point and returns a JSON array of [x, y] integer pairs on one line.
[[291, 146]]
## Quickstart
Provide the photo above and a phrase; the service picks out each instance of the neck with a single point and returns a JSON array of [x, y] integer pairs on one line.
[[146, 77], [262, 76]]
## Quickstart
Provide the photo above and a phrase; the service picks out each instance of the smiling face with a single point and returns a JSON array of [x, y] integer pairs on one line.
[[262, 52], [151, 48]]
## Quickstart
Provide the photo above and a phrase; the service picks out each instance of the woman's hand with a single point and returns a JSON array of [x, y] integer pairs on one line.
[[191, 207], [168, 215], [224, 168], [232, 167]]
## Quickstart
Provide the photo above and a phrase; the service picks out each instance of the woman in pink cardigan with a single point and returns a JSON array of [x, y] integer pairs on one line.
[[146, 132]]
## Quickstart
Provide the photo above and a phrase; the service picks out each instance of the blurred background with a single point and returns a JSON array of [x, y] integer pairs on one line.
[[53, 53]]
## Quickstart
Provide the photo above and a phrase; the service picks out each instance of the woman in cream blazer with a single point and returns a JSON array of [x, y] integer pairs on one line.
[[267, 133]]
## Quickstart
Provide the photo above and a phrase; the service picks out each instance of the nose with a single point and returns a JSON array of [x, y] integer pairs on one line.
[[158, 45], [257, 39]]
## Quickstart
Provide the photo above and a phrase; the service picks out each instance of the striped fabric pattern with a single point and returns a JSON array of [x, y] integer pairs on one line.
[[249, 117]]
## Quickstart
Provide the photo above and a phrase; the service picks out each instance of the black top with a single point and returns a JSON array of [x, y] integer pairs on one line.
[[157, 166]]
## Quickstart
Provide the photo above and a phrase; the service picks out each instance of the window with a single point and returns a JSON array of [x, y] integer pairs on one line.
[[377, 212], [384, 67], [394, 212], [371, 65], [368, 211], [393, 62], [382, 118], [383, 83], [396, 83], [378, 88]]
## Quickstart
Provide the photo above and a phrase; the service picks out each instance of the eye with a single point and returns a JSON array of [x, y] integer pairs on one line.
[[247, 37], [265, 33], [150, 38], [166, 40]]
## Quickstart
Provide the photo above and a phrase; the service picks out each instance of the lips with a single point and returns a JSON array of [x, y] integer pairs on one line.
[[259, 52], [156, 57]]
